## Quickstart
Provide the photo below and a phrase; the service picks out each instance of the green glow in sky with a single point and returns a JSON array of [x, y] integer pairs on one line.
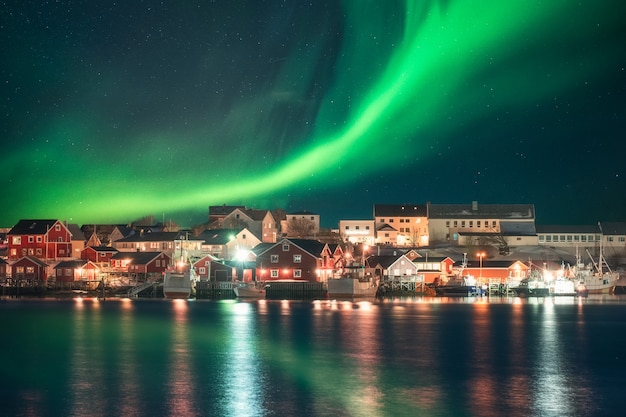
[[408, 76]]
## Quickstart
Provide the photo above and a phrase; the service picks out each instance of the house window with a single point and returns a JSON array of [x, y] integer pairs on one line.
[[401, 220], [68, 272], [347, 227], [158, 263], [542, 238], [456, 223], [569, 238], [447, 223], [477, 223], [471, 223], [548, 238], [57, 227], [17, 240], [390, 220], [462, 223], [622, 239], [493, 224], [367, 228], [609, 238], [274, 273], [274, 259], [31, 239], [312, 218], [583, 238], [381, 221], [297, 273], [297, 259], [576, 238], [202, 270], [19, 270], [357, 228], [243, 236], [286, 247], [562, 238], [59, 272], [39, 239]]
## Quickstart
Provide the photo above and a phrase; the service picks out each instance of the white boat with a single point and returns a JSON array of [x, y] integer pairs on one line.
[[597, 277], [566, 287], [179, 281], [249, 290], [351, 288]]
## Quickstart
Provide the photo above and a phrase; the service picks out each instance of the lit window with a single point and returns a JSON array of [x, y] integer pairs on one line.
[[297, 273], [297, 259], [274, 273]]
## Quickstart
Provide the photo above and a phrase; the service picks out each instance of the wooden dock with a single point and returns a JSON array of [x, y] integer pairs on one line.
[[295, 290], [215, 290]]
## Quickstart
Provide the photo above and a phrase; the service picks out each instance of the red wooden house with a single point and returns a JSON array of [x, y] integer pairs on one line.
[[44, 239], [29, 270], [295, 259], [100, 255], [141, 265], [209, 268], [499, 270], [76, 270]]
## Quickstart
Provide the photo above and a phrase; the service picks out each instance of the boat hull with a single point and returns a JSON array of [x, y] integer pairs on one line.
[[458, 290], [351, 288], [249, 291], [177, 286]]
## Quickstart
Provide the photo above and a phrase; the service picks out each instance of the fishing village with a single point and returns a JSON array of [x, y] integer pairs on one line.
[[467, 250]]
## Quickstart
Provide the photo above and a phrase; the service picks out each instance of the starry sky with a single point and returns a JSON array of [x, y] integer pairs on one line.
[[113, 110]]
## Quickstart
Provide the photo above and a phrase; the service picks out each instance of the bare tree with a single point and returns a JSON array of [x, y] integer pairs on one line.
[[301, 228]]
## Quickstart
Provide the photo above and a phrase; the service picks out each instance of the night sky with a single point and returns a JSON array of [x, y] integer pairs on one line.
[[115, 110]]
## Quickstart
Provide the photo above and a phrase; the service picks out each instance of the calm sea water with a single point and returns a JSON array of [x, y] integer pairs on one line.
[[421, 357]]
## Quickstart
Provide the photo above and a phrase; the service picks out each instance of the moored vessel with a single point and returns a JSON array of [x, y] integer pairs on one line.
[[347, 287], [179, 280], [249, 290]]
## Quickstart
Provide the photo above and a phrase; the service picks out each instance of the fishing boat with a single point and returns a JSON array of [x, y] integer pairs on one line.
[[533, 286], [596, 277], [349, 287], [180, 280], [567, 287], [460, 285], [249, 290]]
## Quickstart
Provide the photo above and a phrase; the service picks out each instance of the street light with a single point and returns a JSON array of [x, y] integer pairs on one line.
[[481, 255], [364, 249]]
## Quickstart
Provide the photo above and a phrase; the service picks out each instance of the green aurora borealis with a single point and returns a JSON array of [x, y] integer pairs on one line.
[[115, 112]]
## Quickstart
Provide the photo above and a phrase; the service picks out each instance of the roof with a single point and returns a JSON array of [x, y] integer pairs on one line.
[[383, 260], [400, 210], [385, 227], [314, 247], [584, 229], [78, 263], [75, 230], [102, 248], [223, 210], [32, 227], [512, 228], [257, 215], [217, 236], [302, 213], [481, 211], [32, 259], [137, 258], [151, 237]]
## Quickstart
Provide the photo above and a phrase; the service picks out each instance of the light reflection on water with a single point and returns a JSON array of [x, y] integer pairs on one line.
[[418, 356]]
